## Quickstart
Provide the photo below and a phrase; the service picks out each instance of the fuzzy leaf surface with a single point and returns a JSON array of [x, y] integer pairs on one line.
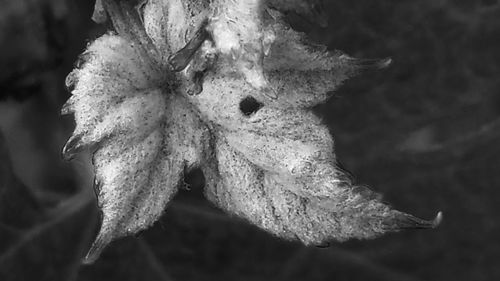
[[265, 155], [139, 149]]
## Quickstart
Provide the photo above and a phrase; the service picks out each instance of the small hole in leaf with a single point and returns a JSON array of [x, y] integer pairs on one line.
[[250, 105]]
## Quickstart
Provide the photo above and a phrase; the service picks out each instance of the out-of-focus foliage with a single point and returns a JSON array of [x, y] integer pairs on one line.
[[424, 132]]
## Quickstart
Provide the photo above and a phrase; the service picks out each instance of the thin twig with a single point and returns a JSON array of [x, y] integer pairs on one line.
[[331, 254], [488, 130], [388, 274], [72, 206]]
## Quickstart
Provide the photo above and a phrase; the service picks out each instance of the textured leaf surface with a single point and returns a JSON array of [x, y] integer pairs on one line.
[[121, 113], [289, 150], [270, 161], [424, 132], [303, 74], [286, 182], [239, 37]]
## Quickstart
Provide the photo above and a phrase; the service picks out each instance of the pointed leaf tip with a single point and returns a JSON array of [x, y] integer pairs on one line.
[[438, 219], [383, 63], [66, 109], [367, 64], [95, 250], [407, 221], [72, 147]]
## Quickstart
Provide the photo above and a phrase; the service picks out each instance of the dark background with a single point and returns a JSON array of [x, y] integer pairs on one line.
[[424, 132]]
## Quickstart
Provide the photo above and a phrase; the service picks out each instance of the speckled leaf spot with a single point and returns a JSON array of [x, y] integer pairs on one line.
[[225, 86]]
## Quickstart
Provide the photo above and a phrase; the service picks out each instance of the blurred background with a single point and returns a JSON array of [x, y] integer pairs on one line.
[[423, 132]]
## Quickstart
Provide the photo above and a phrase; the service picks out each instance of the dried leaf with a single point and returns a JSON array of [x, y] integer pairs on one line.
[[278, 171], [278, 145], [303, 74], [141, 149], [270, 161]]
